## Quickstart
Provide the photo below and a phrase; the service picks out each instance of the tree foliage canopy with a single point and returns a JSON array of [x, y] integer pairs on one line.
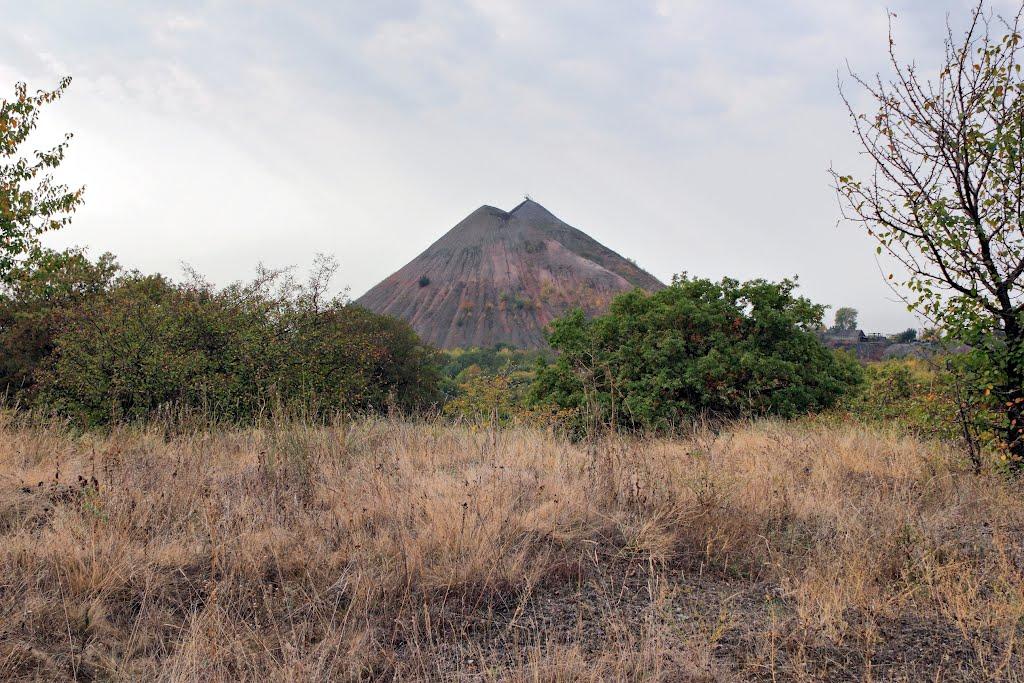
[[31, 202], [38, 292], [725, 349], [845, 319]]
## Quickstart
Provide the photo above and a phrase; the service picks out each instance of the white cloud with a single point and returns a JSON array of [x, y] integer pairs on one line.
[[690, 135]]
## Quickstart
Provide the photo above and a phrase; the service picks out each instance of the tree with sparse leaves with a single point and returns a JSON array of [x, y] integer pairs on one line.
[[945, 197], [31, 202]]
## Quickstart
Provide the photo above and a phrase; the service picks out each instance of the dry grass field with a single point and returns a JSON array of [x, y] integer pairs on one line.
[[383, 550]]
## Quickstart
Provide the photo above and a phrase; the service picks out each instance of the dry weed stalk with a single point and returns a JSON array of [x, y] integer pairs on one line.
[[379, 549]]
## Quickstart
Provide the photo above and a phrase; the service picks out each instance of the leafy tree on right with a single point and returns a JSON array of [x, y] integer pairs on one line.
[[697, 348], [944, 196]]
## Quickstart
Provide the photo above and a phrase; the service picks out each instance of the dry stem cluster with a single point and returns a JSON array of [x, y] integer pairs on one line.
[[382, 550]]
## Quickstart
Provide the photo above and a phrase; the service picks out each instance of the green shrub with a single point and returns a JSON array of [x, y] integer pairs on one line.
[[698, 347], [237, 353], [37, 292], [485, 398], [905, 337], [491, 360], [490, 386]]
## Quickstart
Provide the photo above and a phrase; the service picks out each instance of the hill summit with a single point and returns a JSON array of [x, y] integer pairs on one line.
[[502, 277]]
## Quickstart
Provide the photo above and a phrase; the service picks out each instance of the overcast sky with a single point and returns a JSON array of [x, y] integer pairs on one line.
[[689, 135]]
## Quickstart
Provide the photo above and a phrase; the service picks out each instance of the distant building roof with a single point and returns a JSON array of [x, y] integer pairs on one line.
[[845, 335]]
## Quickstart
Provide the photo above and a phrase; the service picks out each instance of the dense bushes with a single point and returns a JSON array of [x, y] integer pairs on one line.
[[495, 359], [40, 290], [723, 349], [99, 345], [145, 343]]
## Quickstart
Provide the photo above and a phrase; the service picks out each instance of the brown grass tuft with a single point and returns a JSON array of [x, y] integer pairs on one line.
[[375, 550]]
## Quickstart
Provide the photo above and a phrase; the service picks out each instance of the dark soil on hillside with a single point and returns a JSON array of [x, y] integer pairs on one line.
[[502, 277]]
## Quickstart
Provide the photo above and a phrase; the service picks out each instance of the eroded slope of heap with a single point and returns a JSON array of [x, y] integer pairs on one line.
[[502, 277]]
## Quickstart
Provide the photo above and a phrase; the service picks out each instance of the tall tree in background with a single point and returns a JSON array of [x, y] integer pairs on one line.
[[945, 196], [31, 203], [845, 320]]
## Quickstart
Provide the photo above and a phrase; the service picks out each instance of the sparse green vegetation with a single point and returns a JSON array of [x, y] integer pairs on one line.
[[494, 399], [926, 398], [497, 359], [514, 301]]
